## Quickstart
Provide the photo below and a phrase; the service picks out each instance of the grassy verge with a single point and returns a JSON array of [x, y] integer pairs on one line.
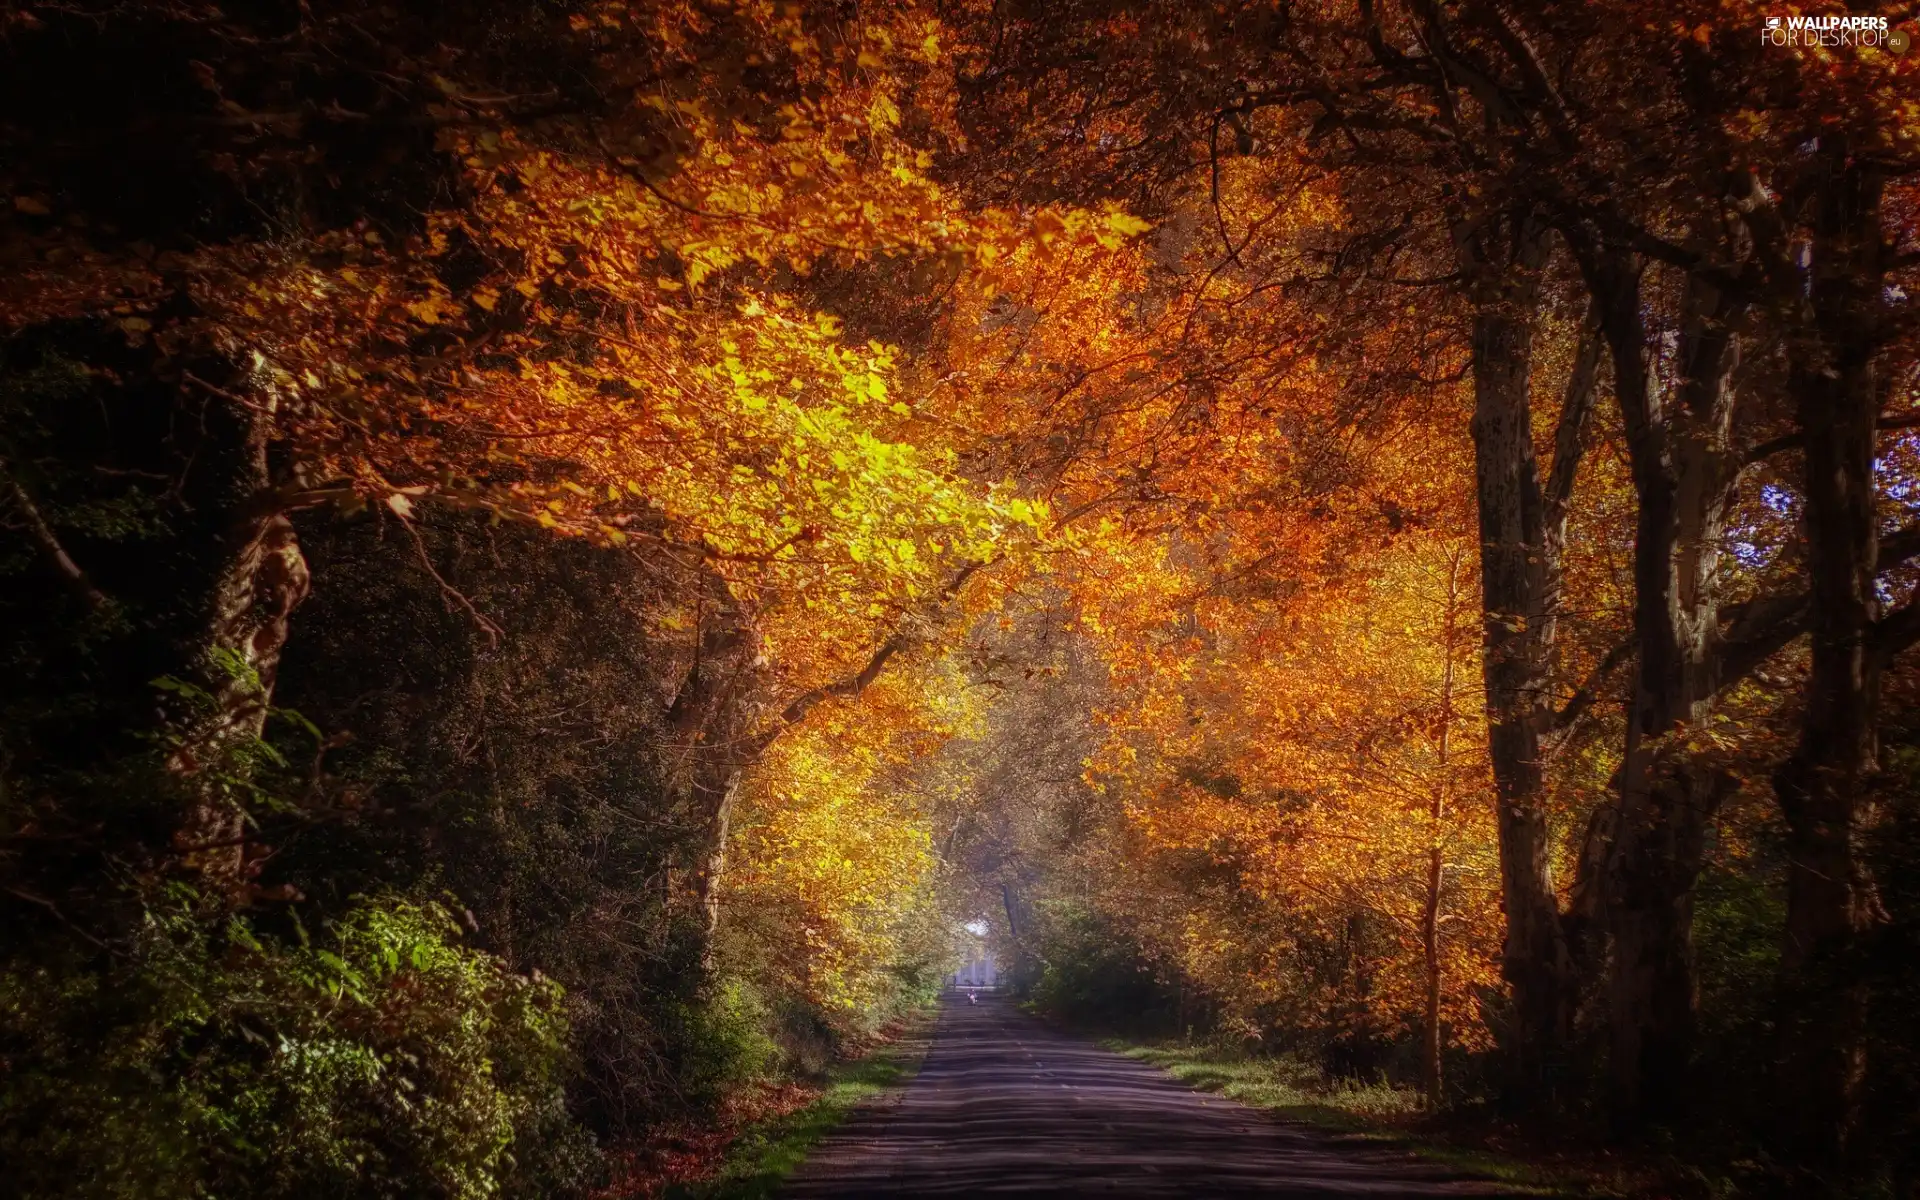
[[766, 1152], [1376, 1115]]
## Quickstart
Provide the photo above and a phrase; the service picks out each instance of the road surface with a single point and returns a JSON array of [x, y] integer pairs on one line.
[[1004, 1106]]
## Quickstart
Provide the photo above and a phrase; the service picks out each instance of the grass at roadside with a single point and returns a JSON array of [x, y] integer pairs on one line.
[[767, 1151], [1373, 1114]]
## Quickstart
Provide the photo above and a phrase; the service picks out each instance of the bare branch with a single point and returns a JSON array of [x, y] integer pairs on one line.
[[448, 592], [1791, 441], [51, 548]]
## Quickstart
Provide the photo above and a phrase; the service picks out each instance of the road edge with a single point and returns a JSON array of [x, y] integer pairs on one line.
[[1196, 1068], [766, 1153]]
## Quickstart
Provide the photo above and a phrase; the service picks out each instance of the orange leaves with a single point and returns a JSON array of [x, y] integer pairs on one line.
[[1314, 744]]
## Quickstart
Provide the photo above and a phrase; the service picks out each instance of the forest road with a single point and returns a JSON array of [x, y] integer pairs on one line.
[[1004, 1106]]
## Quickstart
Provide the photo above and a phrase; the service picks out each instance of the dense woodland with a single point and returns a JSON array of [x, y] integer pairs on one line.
[[555, 551]]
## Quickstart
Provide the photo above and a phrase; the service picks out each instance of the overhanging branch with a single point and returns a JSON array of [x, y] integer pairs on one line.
[[1897, 632], [853, 685], [1791, 441], [1757, 629], [1763, 626], [1583, 698]]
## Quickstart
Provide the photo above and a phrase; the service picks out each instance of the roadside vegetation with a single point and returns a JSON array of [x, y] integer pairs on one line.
[[766, 1150], [1376, 1115]]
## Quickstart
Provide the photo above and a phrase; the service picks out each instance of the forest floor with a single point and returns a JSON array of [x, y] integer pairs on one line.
[[1007, 1105]]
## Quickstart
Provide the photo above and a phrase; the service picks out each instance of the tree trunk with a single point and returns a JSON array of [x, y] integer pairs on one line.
[[1430, 940], [1442, 795], [1683, 472], [263, 579], [714, 878], [1659, 848], [1518, 620], [711, 724], [1822, 786]]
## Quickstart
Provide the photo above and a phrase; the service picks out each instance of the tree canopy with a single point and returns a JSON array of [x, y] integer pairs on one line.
[[557, 551]]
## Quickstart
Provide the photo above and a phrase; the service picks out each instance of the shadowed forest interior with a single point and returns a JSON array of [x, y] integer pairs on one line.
[[555, 554]]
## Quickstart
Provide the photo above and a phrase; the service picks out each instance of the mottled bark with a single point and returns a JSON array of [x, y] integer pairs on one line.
[[711, 724], [1823, 785], [262, 580], [719, 832]]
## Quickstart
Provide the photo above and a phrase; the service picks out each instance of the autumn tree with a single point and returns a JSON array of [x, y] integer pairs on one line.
[[1284, 507]]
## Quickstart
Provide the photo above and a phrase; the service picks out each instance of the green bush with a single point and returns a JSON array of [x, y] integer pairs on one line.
[[1093, 974], [378, 1059], [727, 1040]]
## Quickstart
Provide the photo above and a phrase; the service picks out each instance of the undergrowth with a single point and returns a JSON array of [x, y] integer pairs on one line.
[[768, 1150], [1377, 1114]]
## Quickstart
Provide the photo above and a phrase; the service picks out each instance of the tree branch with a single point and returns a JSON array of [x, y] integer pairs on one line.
[[1584, 696], [1896, 632], [1791, 441], [1899, 546], [1758, 629], [1761, 627], [851, 686], [1575, 411], [1533, 72], [51, 549], [847, 688]]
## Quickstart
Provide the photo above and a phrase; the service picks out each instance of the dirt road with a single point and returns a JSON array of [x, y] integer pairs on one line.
[[1005, 1106]]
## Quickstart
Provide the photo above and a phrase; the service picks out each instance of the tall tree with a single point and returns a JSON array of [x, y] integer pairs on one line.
[[1837, 377]]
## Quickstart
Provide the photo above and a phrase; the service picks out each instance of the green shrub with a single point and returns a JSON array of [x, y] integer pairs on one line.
[[379, 1059], [728, 1039], [1094, 974]]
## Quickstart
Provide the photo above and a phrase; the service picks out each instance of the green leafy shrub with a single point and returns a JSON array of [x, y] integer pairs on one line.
[[727, 1039], [1093, 974], [379, 1059]]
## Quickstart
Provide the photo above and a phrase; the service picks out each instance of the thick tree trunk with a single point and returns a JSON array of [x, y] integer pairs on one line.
[[711, 724], [1822, 786], [264, 578], [1659, 848], [1518, 603], [1683, 472]]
